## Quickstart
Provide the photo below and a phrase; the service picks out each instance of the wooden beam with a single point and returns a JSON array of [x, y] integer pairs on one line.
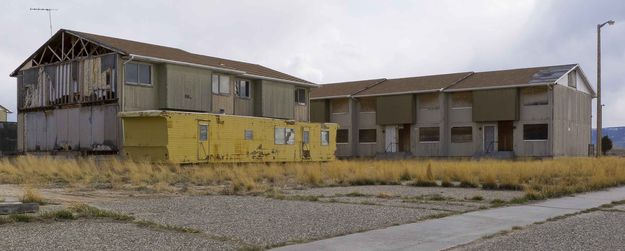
[[57, 56]]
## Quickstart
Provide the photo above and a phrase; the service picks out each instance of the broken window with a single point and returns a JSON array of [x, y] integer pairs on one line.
[[138, 74], [221, 84], [428, 101], [203, 131], [300, 96], [367, 135], [306, 137], [537, 95], [325, 137], [242, 88], [342, 136], [462, 134], [340, 105], [284, 136], [367, 104], [535, 132], [461, 100], [249, 135], [429, 134]]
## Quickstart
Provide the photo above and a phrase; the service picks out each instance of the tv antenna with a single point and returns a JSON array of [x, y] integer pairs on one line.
[[49, 16]]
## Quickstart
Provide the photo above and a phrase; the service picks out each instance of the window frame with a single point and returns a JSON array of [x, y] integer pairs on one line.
[[453, 98], [537, 140], [375, 139], [324, 136], [139, 83], [337, 136], [248, 134], [529, 91], [297, 96], [438, 129], [287, 139], [202, 128], [237, 88], [451, 135], [306, 137], [219, 84]]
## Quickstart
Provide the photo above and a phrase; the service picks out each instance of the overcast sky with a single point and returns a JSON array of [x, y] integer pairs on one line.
[[332, 41]]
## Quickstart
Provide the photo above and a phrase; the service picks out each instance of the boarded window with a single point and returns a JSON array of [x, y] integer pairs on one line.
[[573, 79], [429, 134], [306, 137], [249, 135], [300, 96], [284, 136], [242, 88], [138, 73], [203, 131], [339, 105], [342, 136], [461, 100], [325, 137], [537, 95], [221, 84], [461, 134], [428, 101], [367, 135], [535, 132], [367, 104]]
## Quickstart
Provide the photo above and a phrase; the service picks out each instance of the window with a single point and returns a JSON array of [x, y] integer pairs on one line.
[[203, 131], [342, 136], [367, 135], [306, 137], [428, 101], [249, 135], [284, 136], [537, 95], [325, 137], [535, 132], [340, 105], [429, 134], [573, 79], [242, 88], [300, 96], [138, 73], [461, 100], [461, 134], [221, 84], [367, 104]]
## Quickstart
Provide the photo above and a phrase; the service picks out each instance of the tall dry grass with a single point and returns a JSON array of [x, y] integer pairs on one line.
[[539, 178]]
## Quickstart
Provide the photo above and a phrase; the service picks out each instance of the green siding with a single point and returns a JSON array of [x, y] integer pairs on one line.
[[496, 105], [319, 111], [188, 88], [278, 100], [395, 110]]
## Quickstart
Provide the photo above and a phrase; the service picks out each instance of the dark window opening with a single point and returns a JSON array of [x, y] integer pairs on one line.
[[461, 134], [342, 136], [429, 134], [536, 132], [367, 135]]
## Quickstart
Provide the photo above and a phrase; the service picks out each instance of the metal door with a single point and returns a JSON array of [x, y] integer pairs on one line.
[[490, 138], [202, 137]]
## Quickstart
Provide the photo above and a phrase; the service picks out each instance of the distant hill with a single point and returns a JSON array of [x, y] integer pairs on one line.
[[617, 134]]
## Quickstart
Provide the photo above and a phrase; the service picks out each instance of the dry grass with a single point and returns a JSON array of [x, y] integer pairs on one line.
[[31, 195], [539, 178]]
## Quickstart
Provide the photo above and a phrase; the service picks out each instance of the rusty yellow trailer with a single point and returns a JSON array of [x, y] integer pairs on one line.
[[188, 137]]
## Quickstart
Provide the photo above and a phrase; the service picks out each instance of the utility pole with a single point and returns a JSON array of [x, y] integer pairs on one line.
[[599, 104], [49, 16]]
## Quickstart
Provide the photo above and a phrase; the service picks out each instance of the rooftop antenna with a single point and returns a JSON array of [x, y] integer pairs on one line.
[[49, 16]]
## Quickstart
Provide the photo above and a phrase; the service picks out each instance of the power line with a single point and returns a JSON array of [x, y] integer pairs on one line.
[[49, 15]]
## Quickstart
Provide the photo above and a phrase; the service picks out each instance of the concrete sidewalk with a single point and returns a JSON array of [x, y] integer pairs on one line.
[[460, 229]]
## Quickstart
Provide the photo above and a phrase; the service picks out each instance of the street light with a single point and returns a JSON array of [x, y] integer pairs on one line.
[[599, 105]]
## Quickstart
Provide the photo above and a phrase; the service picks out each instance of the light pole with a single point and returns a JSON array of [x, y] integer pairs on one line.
[[599, 105]]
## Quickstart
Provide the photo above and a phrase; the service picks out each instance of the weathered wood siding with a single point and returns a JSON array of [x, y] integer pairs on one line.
[[188, 88], [277, 100]]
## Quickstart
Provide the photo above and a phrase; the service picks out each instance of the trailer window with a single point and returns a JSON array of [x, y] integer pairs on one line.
[[203, 132], [284, 136], [325, 138], [290, 136], [249, 135], [461, 134], [306, 137]]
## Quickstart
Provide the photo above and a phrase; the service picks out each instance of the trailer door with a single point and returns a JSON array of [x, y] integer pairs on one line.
[[203, 148]]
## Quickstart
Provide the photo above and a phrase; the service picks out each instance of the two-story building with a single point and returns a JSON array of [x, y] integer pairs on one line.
[[531, 112], [71, 89]]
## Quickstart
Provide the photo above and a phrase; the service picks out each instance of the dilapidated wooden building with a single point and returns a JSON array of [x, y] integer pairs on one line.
[[71, 89]]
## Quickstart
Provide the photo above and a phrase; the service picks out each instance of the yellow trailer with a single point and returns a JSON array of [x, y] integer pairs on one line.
[[188, 137]]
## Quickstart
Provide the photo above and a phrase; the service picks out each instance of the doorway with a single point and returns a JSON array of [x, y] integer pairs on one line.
[[202, 137], [390, 139], [505, 136], [490, 138], [404, 138]]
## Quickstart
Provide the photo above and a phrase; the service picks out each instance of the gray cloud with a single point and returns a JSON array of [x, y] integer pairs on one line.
[[330, 41]]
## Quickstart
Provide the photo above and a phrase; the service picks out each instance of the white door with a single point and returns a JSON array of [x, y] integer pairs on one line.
[[390, 139], [490, 138]]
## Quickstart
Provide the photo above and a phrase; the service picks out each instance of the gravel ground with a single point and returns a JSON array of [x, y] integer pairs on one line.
[[599, 230], [261, 221], [449, 206], [100, 235], [410, 191]]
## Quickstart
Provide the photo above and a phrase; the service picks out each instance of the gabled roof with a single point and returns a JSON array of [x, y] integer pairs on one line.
[[5, 109], [432, 83], [512, 78], [343, 89], [145, 51]]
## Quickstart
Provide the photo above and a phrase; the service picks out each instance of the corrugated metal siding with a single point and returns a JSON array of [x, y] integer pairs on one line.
[[395, 110], [496, 105], [188, 88], [278, 100]]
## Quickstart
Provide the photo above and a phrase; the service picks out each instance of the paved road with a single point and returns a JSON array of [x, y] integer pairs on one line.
[[461, 229]]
